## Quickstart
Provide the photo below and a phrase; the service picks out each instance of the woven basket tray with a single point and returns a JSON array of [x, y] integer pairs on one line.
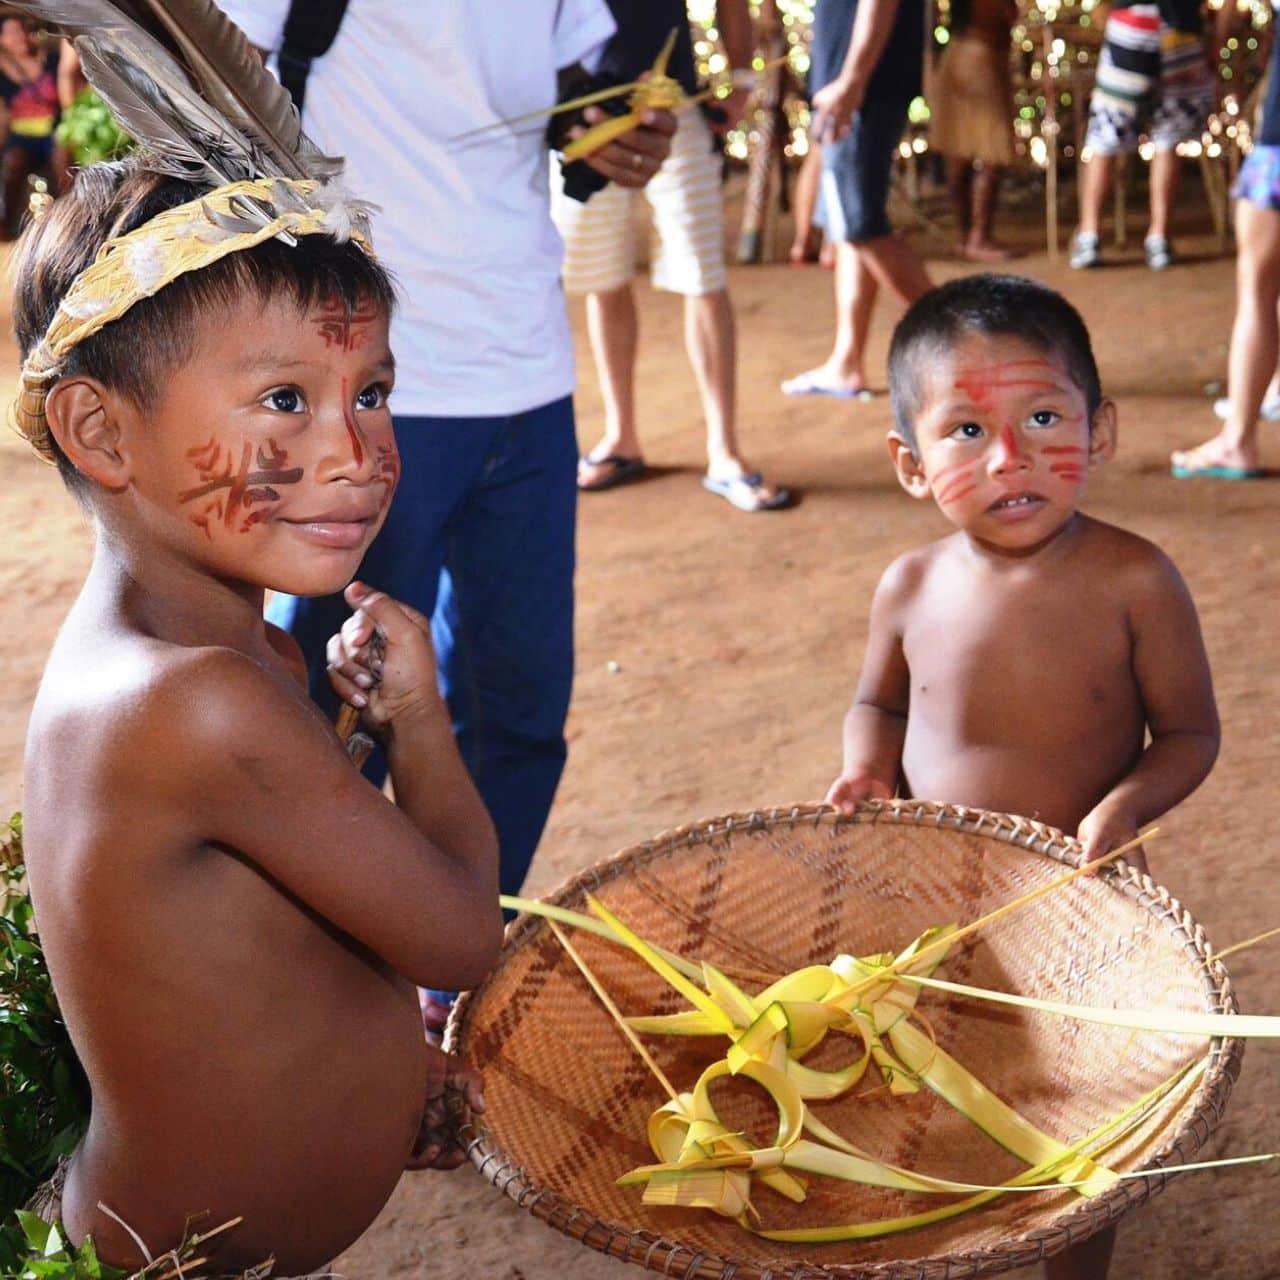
[[568, 1100]]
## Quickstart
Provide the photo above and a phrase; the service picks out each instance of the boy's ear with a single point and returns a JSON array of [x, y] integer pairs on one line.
[[910, 473], [84, 417], [1102, 433]]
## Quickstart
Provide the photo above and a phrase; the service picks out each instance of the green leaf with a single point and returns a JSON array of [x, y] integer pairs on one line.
[[35, 1228]]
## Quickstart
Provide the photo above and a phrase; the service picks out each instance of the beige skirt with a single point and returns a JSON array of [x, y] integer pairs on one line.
[[971, 104]]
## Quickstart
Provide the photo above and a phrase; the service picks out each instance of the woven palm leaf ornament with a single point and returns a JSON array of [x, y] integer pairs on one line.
[[183, 81], [951, 1108]]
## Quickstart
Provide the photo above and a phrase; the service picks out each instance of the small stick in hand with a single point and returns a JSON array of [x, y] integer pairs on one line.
[[359, 745]]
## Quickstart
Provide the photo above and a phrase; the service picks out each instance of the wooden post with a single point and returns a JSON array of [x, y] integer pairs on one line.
[[1050, 134], [766, 170], [1122, 185]]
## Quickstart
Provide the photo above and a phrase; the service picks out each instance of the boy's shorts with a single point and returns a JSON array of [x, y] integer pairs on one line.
[[856, 172], [1152, 80], [1259, 178], [686, 241]]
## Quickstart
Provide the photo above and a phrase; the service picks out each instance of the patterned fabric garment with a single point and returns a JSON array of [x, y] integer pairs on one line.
[[1259, 180], [1151, 79]]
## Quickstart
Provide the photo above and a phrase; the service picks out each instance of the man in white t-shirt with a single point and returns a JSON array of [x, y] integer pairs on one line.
[[481, 534]]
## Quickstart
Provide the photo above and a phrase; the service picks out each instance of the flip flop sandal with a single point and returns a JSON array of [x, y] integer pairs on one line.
[[1217, 473], [805, 384], [621, 469], [743, 492]]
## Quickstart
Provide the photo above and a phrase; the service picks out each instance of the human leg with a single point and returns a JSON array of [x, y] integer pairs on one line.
[[1187, 89], [687, 255], [1163, 180], [981, 245], [856, 177], [1123, 93], [960, 189], [1255, 333], [503, 625], [1095, 182], [614, 331], [806, 240], [599, 263]]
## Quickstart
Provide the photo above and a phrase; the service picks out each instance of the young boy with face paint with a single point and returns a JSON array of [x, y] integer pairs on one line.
[[234, 918], [1036, 661]]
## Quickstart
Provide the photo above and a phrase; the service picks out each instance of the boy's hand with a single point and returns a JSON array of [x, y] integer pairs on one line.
[[437, 1145], [1107, 827], [848, 789], [382, 661]]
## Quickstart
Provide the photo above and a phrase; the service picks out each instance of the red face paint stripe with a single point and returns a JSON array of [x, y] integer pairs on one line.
[[954, 494], [1061, 450], [349, 421]]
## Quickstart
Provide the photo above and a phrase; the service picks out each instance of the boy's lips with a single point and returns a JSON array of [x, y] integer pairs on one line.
[[1017, 506], [343, 530]]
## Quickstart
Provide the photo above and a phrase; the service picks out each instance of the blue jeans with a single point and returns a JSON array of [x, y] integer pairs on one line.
[[480, 538]]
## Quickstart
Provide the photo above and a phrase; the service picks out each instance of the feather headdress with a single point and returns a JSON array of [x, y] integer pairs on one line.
[[185, 83]]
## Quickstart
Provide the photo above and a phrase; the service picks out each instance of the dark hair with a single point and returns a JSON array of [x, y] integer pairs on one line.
[[135, 354], [986, 304]]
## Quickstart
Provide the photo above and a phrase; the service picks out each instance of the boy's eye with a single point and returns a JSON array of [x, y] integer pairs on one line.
[[1044, 418], [284, 400], [372, 397], [967, 431]]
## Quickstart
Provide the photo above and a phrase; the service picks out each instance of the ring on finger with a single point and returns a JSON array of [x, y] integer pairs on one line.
[[637, 160]]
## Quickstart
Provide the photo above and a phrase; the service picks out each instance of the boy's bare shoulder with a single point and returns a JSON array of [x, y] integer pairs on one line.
[[174, 718], [907, 574], [1127, 559]]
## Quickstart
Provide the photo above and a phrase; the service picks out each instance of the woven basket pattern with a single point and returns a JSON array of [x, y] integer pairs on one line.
[[765, 893]]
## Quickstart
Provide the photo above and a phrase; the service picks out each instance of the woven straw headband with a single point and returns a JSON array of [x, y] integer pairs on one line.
[[187, 238]]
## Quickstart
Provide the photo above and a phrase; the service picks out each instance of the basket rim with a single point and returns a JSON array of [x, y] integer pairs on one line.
[[657, 1252]]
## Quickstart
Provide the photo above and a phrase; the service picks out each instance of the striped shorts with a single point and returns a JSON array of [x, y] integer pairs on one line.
[[1151, 79], [686, 208]]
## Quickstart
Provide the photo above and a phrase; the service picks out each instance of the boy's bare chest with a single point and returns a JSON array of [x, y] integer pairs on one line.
[[1016, 654]]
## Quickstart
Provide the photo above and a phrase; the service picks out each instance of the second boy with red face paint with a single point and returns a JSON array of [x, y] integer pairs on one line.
[[1036, 661]]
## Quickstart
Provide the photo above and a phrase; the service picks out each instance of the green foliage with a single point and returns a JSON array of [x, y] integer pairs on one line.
[[89, 131], [44, 1096], [50, 1257]]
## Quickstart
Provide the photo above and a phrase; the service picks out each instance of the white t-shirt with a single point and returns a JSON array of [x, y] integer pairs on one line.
[[465, 227]]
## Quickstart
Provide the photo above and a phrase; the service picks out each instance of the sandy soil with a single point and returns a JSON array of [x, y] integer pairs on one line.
[[736, 640]]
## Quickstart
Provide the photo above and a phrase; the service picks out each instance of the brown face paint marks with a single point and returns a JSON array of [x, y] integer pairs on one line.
[[342, 328], [388, 464], [232, 490]]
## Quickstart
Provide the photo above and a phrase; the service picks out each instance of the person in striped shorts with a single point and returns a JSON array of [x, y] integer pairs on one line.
[[1154, 78], [686, 256]]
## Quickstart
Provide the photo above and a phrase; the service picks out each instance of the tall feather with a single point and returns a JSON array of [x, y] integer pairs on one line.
[[185, 83]]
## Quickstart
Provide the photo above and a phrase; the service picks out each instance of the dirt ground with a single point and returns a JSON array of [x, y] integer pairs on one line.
[[717, 653]]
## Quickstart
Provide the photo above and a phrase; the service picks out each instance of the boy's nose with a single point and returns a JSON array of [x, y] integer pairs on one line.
[[346, 453], [1008, 452]]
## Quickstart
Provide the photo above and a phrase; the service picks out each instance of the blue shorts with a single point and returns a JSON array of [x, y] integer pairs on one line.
[[1259, 178], [856, 172]]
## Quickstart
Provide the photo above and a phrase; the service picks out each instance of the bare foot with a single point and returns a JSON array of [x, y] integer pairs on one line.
[[437, 1143], [825, 381], [1219, 457], [986, 251]]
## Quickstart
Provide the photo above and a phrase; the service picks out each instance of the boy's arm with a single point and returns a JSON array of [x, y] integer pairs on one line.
[[876, 724], [274, 786], [1172, 670]]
